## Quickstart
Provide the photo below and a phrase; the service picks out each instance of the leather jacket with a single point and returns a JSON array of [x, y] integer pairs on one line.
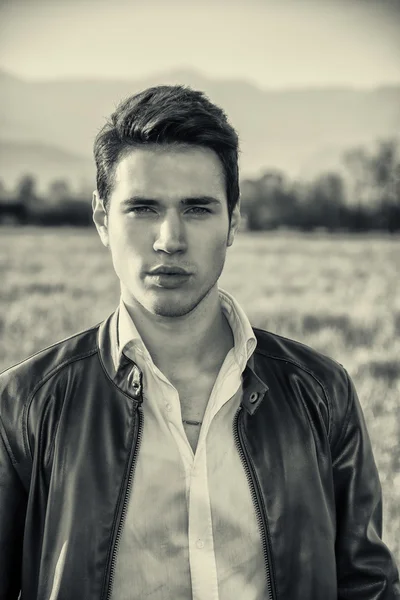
[[70, 433]]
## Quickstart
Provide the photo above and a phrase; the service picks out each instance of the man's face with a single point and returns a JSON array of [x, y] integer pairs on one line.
[[168, 210]]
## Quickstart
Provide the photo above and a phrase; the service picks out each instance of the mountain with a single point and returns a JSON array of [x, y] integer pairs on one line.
[[301, 131], [45, 162]]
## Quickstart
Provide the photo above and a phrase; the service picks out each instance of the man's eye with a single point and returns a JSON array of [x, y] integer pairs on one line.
[[199, 210], [140, 210]]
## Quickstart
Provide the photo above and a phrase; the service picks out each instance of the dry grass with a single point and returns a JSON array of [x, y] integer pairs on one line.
[[340, 295]]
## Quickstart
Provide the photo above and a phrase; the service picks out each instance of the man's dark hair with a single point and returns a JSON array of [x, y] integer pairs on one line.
[[166, 115]]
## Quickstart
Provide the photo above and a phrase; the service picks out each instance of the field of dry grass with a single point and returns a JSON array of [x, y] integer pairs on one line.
[[339, 294]]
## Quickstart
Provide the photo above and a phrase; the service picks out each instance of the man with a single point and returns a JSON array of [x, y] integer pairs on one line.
[[174, 452]]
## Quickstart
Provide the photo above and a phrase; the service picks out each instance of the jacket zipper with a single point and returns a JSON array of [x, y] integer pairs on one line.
[[125, 504], [255, 494]]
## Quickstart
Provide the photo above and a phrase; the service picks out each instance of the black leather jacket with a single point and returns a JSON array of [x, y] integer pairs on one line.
[[70, 433]]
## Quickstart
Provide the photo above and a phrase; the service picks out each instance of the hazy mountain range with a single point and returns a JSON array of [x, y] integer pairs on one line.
[[47, 128]]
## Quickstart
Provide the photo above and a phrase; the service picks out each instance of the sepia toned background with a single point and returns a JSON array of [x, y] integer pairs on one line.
[[313, 89]]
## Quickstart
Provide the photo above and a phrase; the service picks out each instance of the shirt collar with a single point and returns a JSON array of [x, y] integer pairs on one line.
[[130, 342]]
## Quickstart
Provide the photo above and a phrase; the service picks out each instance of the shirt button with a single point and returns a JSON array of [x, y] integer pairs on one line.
[[168, 406], [200, 544], [253, 397]]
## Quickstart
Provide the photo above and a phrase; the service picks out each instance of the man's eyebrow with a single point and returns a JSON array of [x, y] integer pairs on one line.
[[140, 200], [194, 200], [191, 201]]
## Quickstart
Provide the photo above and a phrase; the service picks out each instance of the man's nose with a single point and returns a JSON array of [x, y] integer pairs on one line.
[[170, 236]]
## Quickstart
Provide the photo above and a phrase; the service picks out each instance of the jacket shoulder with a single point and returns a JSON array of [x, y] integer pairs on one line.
[[285, 349], [26, 375], [19, 384], [329, 378]]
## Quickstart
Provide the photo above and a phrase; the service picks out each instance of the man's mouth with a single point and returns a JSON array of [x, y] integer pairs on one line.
[[164, 270], [169, 277]]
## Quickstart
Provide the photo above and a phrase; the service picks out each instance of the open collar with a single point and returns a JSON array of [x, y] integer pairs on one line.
[[129, 341], [128, 377]]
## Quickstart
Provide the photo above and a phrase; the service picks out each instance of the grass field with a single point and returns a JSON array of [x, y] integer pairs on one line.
[[339, 294]]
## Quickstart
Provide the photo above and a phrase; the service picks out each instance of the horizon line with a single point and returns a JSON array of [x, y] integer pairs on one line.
[[197, 73]]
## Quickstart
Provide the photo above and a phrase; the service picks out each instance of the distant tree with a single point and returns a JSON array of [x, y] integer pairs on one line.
[[3, 191], [324, 205], [13, 205], [69, 212], [269, 202], [26, 189], [250, 198], [59, 190], [384, 164], [375, 187], [385, 173], [356, 162]]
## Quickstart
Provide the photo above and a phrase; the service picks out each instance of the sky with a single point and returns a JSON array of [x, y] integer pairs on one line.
[[271, 43]]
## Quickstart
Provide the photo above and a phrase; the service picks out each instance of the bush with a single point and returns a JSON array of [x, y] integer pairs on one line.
[[68, 212]]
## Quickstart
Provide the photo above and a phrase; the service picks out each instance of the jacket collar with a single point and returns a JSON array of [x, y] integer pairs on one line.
[[128, 377]]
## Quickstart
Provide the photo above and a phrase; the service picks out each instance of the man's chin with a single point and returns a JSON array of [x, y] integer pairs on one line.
[[170, 309], [171, 305]]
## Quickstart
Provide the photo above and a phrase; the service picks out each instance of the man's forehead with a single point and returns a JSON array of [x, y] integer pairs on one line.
[[170, 170]]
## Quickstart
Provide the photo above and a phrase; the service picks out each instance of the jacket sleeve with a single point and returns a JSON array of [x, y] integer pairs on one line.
[[12, 517], [365, 566]]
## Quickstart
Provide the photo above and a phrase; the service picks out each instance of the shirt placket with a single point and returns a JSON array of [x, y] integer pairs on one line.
[[203, 567]]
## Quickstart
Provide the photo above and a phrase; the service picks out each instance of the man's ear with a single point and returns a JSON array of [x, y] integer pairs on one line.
[[100, 218], [234, 225]]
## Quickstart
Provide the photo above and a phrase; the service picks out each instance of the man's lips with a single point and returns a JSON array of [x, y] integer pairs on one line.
[[169, 271], [169, 277]]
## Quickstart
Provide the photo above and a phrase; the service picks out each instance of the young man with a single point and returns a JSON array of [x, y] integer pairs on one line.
[[174, 452]]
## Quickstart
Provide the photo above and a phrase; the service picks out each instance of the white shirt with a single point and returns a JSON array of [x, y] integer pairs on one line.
[[190, 529]]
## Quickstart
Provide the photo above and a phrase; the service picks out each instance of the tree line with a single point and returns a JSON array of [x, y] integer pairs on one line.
[[365, 197]]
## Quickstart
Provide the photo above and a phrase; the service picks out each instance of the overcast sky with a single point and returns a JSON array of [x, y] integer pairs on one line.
[[275, 44]]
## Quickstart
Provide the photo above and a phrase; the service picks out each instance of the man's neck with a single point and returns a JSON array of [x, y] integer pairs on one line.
[[199, 340]]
